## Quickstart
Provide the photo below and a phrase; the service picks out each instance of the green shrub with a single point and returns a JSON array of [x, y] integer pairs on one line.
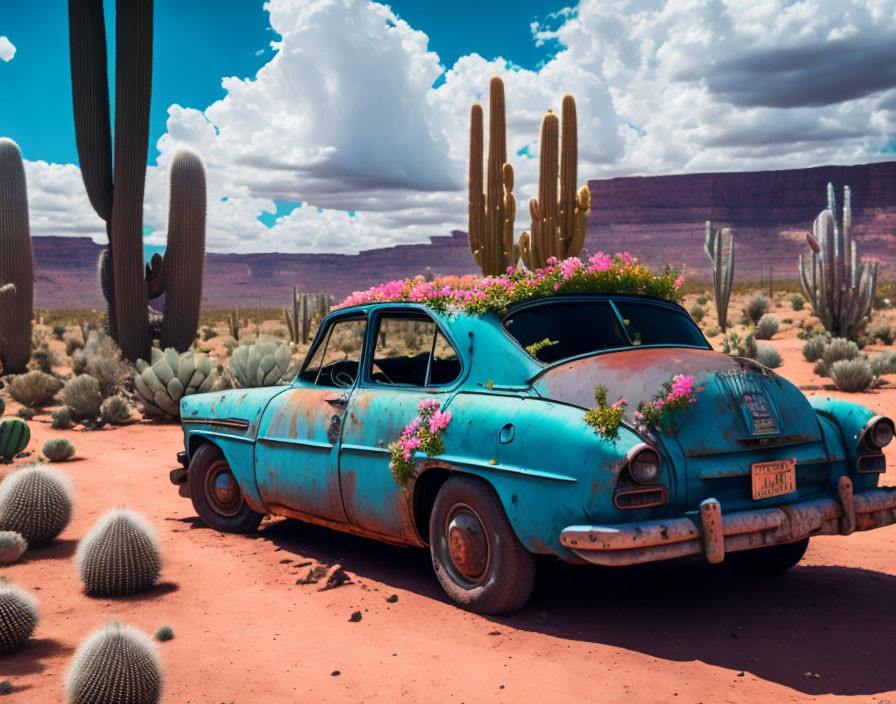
[[164, 633], [72, 344], [115, 410], [852, 375], [697, 313], [110, 373], [208, 333], [757, 307], [83, 398], [42, 357], [25, 413], [34, 389], [880, 331], [62, 419], [58, 331], [883, 364], [58, 450], [767, 327], [839, 348], [797, 301], [768, 356], [711, 332], [733, 344], [702, 300], [813, 348]]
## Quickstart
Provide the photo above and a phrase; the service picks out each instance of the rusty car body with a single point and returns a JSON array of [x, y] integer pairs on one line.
[[522, 473]]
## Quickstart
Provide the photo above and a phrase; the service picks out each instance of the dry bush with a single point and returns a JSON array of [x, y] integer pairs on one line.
[[82, 396], [852, 375], [34, 389]]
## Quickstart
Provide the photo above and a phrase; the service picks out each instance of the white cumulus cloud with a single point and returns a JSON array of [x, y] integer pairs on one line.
[[7, 49]]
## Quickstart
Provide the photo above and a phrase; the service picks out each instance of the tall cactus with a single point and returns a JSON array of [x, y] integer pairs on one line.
[[839, 287], [16, 262], [722, 268], [115, 187], [491, 214], [558, 226]]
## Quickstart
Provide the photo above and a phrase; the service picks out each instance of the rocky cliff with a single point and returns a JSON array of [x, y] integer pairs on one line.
[[659, 219]]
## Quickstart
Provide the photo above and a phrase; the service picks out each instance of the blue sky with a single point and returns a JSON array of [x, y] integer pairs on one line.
[[361, 112], [197, 42]]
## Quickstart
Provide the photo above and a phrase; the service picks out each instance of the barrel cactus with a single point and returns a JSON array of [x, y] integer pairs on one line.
[[58, 450], [262, 364], [18, 617], [12, 546], [116, 663], [36, 501], [119, 556], [14, 437], [170, 376]]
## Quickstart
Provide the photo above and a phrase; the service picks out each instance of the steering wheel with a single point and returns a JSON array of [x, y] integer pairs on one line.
[[342, 378]]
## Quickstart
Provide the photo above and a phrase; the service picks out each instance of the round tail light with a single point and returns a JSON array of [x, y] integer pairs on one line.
[[644, 464], [878, 433]]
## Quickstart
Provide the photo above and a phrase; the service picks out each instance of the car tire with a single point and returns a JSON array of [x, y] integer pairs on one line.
[[216, 494], [767, 561], [477, 558]]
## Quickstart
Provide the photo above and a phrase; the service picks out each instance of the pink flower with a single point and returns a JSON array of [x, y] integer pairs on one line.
[[678, 282], [620, 403], [568, 266], [638, 415], [551, 261], [439, 421]]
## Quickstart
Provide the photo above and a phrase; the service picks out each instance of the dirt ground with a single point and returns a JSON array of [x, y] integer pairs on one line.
[[246, 632]]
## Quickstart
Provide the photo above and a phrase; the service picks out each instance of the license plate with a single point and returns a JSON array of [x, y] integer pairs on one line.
[[773, 478]]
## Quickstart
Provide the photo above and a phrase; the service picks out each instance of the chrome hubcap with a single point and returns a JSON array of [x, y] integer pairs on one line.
[[222, 490], [467, 542]]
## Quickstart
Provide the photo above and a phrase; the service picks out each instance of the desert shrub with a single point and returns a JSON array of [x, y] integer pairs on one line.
[[711, 332], [757, 307], [880, 331], [208, 334], [25, 413], [42, 357], [702, 300], [2, 405], [62, 419], [768, 356], [852, 374], [164, 633], [836, 350], [34, 389], [883, 364], [797, 301], [697, 313], [742, 347], [58, 450], [813, 348], [83, 398], [58, 331], [115, 410], [110, 373], [72, 344], [766, 327], [79, 362]]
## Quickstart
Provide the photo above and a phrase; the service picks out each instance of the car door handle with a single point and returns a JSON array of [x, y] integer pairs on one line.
[[338, 401]]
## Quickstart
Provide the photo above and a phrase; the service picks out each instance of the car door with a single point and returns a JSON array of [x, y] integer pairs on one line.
[[412, 360], [296, 455]]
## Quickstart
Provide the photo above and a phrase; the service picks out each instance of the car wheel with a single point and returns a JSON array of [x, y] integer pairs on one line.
[[770, 560], [216, 493], [477, 558]]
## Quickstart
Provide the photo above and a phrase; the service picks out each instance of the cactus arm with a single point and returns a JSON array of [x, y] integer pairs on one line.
[[185, 254], [16, 262], [509, 214], [568, 175], [90, 101], [729, 272]]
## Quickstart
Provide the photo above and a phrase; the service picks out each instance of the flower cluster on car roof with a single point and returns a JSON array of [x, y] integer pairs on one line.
[[601, 273]]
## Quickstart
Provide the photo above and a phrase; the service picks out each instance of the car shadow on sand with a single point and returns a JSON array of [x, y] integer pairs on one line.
[[816, 629]]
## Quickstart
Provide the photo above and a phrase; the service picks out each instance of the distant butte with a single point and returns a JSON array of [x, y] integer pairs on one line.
[[659, 219]]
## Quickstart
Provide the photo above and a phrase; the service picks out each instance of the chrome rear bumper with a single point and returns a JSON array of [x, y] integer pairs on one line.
[[717, 533]]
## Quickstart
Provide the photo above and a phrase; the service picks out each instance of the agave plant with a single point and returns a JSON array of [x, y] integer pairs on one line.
[[262, 364], [169, 376]]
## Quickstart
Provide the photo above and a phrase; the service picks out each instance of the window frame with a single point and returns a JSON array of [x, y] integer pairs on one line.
[[673, 308], [323, 338], [365, 377]]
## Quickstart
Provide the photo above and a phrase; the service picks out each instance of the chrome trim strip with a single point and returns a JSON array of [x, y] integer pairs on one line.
[[223, 422]]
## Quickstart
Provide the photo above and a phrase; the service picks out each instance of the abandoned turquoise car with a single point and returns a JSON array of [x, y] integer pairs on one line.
[[469, 434]]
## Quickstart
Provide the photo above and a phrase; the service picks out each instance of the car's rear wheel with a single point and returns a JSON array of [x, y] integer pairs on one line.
[[216, 493], [767, 561], [477, 558]]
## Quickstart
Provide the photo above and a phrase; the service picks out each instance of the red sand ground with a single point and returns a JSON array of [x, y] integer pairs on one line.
[[246, 632]]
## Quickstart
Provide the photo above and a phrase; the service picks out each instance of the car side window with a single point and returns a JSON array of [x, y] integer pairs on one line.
[[411, 351], [337, 358]]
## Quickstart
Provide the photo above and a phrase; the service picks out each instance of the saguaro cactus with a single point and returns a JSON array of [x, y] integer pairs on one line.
[[839, 287], [558, 226], [16, 262], [722, 268], [116, 187], [491, 214]]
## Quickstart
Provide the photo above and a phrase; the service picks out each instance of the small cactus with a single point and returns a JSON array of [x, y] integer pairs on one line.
[[164, 633], [6, 687], [18, 617], [62, 419], [14, 437], [58, 450], [36, 501], [768, 356], [262, 364], [12, 546], [115, 410], [116, 663], [119, 556]]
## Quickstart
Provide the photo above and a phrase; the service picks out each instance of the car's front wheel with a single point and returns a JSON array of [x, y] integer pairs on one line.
[[477, 558], [767, 561], [216, 493]]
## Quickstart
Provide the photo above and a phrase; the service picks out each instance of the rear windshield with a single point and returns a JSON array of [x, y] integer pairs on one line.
[[560, 330]]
